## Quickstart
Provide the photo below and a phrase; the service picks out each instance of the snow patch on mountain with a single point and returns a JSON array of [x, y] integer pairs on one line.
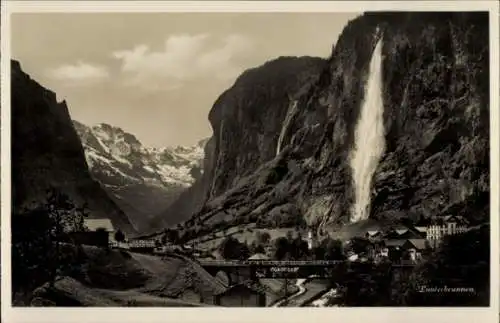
[[120, 153], [143, 180]]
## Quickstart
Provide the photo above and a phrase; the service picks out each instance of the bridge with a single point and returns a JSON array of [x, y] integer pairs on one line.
[[240, 270], [270, 263]]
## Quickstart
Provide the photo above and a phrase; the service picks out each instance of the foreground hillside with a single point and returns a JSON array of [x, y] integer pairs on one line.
[[47, 153], [430, 80], [118, 278], [143, 181], [70, 292]]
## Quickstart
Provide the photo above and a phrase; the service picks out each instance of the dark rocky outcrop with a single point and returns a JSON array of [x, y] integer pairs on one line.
[[247, 119], [47, 153], [436, 118]]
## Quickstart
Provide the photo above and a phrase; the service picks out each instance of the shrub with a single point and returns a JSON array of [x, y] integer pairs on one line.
[[119, 236], [263, 237], [231, 248]]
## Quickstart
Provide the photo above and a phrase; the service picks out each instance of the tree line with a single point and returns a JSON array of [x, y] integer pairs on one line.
[[289, 247], [461, 262]]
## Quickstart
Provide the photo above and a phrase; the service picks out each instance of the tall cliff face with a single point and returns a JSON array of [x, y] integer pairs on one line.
[[436, 117], [435, 96], [46, 152], [247, 120]]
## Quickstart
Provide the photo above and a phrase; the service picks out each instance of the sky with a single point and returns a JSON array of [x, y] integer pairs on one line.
[[157, 75]]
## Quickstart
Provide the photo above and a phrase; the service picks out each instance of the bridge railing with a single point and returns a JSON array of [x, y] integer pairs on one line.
[[270, 262], [291, 263]]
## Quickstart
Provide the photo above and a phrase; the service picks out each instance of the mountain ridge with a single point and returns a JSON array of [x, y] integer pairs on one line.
[[142, 180], [46, 153]]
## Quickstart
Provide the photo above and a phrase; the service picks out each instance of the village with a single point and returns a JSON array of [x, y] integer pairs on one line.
[[398, 243]]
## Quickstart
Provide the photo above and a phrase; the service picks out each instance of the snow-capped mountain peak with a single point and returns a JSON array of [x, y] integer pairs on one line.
[[141, 176], [122, 153]]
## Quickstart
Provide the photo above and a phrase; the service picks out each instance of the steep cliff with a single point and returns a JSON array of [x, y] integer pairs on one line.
[[247, 120], [434, 91], [46, 152]]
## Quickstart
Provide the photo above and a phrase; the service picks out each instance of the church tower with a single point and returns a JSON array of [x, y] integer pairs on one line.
[[311, 240]]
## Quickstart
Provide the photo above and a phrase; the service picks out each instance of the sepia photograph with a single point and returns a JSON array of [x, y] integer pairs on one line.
[[250, 159]]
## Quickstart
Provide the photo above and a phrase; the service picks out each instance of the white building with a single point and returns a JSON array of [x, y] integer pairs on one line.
[[103, 224], [311, 240], [452, 225], [352, 257]]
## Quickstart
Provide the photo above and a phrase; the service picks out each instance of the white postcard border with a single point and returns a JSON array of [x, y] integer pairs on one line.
[[290, 315]]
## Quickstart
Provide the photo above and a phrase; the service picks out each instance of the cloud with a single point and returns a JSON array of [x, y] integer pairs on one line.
[[183, 58], [79, 72]]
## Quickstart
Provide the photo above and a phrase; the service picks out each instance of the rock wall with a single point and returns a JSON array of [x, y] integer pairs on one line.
[[246, 120], [46, 152], [436, 122]]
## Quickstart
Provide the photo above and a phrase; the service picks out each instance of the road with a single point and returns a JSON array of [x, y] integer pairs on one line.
[[309, 290], [324, 299], [287, 300]]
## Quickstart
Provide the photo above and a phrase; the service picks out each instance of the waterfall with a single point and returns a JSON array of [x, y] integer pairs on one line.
[[217, 159], [289, 116], [369, 138]]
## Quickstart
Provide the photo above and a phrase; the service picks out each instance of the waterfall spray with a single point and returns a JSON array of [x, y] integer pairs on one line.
[[369, 138]]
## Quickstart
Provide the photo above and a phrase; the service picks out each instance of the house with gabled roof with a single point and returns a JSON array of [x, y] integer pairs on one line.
[[240, 295], [421, 230], [103, 224], [395, 243], [458, 219], [416, 248], [96, 224], [403, 232], [417, 244], [373, 234], [394, 248], [258, 256]]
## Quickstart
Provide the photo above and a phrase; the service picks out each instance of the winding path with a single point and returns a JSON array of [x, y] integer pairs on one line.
[[302, 290]]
